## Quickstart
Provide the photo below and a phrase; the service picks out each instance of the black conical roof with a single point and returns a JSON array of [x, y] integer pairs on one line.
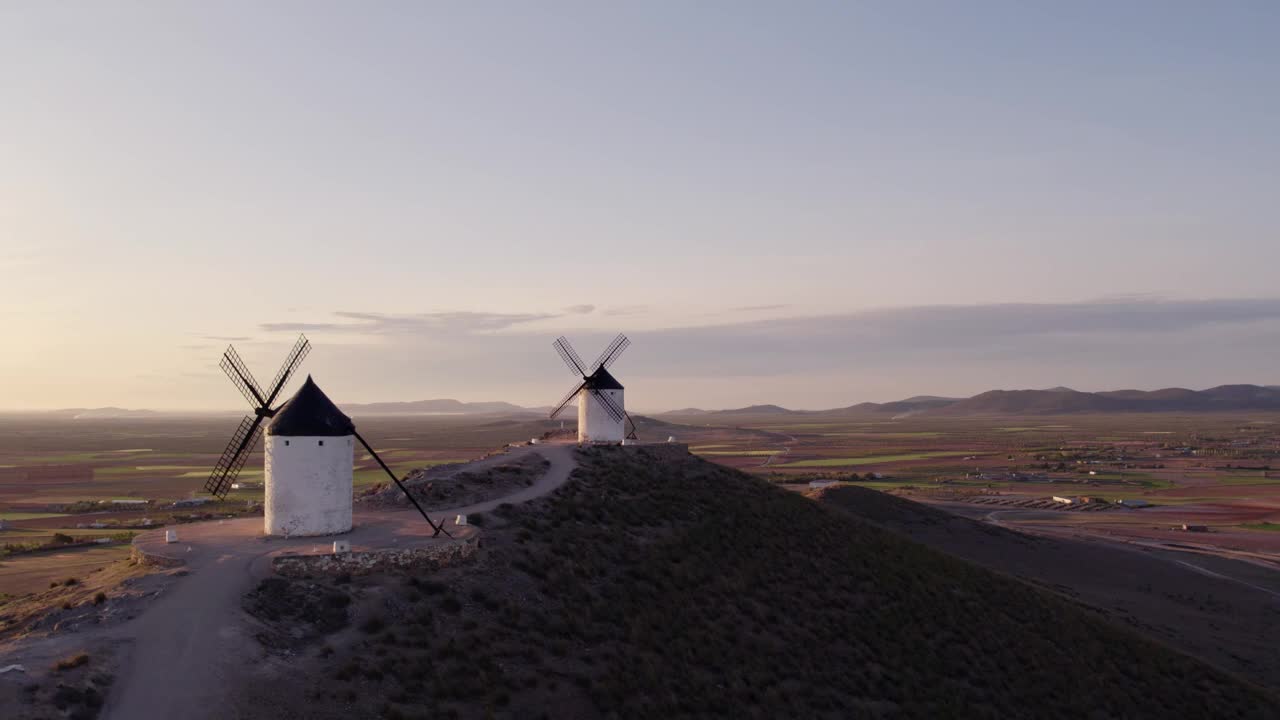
[[310, 413], [602, 380]]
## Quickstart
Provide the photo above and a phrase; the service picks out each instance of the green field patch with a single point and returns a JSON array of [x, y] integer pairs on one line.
[[373, 476], [29, 515], [62, 458], [851, 462], [205, 473], [864, 434], [121, 471], [1174, 500], [1247, 480], [1268, 526], [708, 447], [741, 452], [132, 450]]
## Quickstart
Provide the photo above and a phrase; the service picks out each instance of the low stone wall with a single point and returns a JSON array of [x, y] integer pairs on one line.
[[430, 557]]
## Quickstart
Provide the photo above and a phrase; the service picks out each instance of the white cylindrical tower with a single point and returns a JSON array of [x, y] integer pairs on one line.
[[595, 422], [310, 451]]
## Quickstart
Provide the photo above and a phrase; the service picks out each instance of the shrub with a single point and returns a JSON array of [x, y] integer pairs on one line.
[[72, 661], [99, 598]]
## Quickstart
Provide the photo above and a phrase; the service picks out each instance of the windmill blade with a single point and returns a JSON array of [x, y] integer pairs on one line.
[[611, 353], [291, 363], [565, 401], [570, 356], [437, 528], [240, 376], [610, 405], [234, 456]]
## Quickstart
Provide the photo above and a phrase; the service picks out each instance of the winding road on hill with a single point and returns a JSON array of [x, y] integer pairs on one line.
[[183, 650]]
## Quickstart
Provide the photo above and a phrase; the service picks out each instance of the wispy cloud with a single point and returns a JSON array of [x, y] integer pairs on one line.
[[580, 309], [623, 310], [830, 360], [757, 308], [369, 323]]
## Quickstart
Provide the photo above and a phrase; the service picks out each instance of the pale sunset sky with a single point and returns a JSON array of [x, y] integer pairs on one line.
[[804, 203]]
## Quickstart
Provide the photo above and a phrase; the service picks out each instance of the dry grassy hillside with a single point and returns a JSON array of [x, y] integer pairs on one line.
[[1231, 620], [656, 584]]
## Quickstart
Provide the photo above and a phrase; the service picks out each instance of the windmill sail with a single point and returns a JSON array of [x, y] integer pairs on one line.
[[245, 438], [234, 456]]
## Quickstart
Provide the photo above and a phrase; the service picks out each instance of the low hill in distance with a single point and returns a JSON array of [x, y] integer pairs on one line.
[[444, 406], [755, 410], [437, 407], [656, 584]]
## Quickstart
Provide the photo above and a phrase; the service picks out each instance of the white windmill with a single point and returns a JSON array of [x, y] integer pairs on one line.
[[602, 417], [310, 453]]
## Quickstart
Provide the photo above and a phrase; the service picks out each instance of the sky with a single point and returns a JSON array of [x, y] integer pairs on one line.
[[811, 204]]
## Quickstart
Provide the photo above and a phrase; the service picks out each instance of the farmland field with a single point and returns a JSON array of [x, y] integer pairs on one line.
[[1217, 470], [64, 476]]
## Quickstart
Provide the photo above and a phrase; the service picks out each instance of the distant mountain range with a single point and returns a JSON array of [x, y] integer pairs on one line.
[[1054, 401]]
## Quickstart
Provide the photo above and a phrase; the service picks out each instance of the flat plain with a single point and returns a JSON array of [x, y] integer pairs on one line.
[[105, 479]]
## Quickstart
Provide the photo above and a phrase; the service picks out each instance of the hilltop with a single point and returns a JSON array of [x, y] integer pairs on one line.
[[655, 584]]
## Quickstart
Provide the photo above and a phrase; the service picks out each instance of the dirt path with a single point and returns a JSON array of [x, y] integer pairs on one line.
[[184, 651]]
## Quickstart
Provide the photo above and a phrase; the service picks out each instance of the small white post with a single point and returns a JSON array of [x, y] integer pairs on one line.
[[171, 536], [460, 520], [341, 547]]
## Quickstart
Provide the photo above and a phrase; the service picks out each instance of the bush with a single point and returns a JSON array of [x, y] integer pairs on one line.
[[99, 598], [72, 661]]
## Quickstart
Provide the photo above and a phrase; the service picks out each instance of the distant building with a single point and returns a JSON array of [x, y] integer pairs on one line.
[[1195, 528], [129, 502], [817, 484], [191, 502], [1066, 500], [1134, 503]]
